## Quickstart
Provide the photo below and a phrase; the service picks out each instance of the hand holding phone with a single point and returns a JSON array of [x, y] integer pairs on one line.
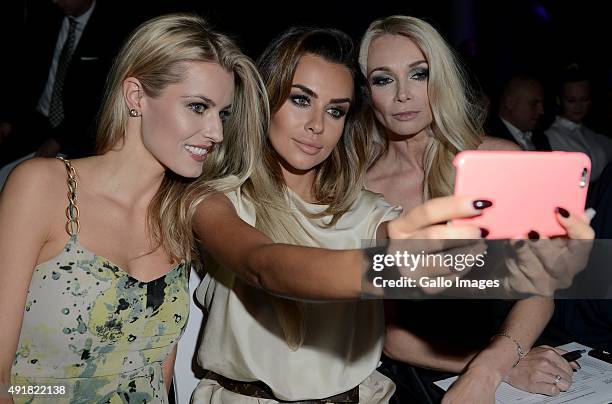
[[526, 188]]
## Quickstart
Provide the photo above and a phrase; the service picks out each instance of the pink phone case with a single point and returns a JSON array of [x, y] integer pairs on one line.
[[525, 188]]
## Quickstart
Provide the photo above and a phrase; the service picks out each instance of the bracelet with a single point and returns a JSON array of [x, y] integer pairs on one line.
[[519, 349]]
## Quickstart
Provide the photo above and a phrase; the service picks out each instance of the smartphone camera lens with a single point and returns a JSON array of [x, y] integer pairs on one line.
[[584, 178]]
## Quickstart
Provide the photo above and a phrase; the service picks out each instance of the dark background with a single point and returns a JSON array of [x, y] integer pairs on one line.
[[495, 38]]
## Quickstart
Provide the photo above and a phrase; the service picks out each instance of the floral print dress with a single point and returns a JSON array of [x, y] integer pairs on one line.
[[91, 327]]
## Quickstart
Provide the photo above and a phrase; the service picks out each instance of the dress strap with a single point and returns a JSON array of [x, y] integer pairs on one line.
[[72, 210]]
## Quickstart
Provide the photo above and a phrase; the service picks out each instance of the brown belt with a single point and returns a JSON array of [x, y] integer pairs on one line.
[[259, 389]]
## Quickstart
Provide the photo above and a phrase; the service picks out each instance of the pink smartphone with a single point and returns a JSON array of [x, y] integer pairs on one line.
[[525, 188]]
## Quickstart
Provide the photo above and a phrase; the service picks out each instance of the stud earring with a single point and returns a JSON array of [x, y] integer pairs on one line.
[[134, 113]]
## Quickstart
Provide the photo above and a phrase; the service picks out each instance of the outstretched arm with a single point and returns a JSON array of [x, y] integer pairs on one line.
[[304, 272]]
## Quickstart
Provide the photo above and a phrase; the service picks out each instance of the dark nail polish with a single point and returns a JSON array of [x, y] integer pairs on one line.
[[519, 244], [563, 212], [484, 232], [482, 204], [533, 235], [574, 370]]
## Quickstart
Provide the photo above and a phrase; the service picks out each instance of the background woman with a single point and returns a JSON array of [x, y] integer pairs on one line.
[[424, 115]]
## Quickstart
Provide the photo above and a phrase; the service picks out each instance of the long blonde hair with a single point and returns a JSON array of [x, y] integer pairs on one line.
[[154, 54], [457, 114]]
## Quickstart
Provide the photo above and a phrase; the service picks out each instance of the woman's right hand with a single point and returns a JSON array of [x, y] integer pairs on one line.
[[429, 220], [427, 229]]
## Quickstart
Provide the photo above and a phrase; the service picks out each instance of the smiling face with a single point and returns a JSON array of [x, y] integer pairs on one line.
[[181, 125], [575, 100], [308, 125], [397, 73]]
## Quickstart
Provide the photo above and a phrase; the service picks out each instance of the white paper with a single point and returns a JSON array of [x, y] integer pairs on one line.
[[592, 384]]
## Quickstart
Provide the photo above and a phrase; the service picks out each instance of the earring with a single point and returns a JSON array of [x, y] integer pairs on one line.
[[134, 113]]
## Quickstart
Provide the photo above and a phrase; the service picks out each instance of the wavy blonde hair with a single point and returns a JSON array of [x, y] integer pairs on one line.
[[155, 54], [457, 114]]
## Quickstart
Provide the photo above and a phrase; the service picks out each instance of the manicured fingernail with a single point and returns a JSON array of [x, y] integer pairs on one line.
[[519, 244], [484, 232], [563, 212], [533, 235], [482, 204]]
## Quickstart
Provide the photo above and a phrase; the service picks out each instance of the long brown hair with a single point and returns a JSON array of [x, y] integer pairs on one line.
[[338, 180]]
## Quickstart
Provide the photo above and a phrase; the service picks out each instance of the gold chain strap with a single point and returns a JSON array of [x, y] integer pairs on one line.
[[72, 210]]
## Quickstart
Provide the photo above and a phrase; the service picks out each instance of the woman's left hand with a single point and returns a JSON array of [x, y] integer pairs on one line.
[[476, 385], [542, 371], [541, 268]]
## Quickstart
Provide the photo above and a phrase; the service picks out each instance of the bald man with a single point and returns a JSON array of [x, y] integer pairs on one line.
[[520, 108]]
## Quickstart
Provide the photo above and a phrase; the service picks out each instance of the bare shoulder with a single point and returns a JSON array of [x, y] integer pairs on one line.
[[495, 143], [36, 182], [216, 200], [215, 206], [37, 172]]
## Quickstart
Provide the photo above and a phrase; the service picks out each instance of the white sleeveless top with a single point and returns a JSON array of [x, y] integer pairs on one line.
[[343, 342]]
